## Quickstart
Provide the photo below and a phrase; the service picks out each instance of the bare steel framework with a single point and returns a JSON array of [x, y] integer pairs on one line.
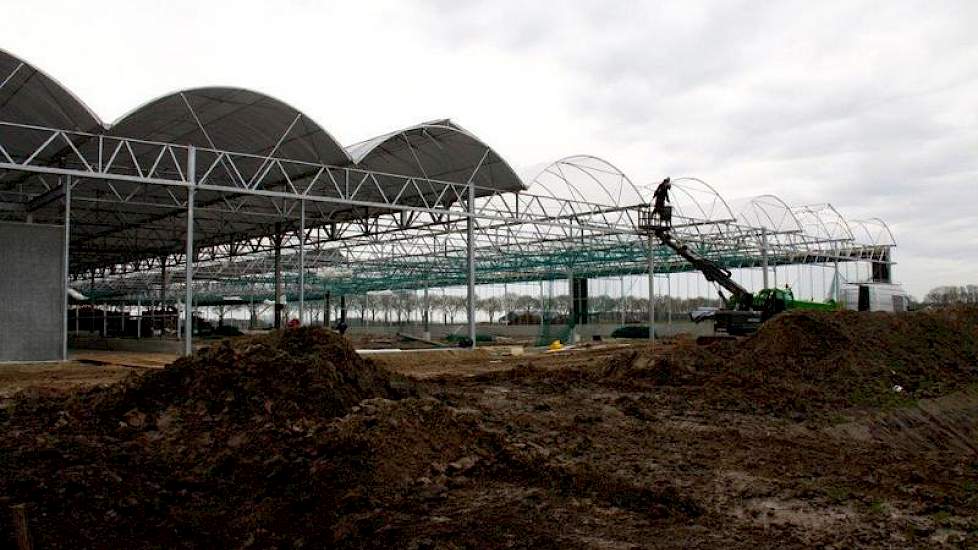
[[427, 206]]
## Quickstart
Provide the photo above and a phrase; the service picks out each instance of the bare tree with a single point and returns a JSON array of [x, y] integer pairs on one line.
[[360, 302], [437, 303], [509, 302], [602, 305], [405, 302], [373, 304], [452, 305], [386, 305], [491, 306], [527, 303], [950, 295], [561, 304]]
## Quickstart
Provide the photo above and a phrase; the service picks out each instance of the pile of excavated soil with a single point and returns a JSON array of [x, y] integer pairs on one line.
[[807, 361], [801, 363], [209, 451], [283, 440]]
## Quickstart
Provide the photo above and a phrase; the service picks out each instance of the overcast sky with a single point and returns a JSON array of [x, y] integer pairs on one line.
[[871, 106]]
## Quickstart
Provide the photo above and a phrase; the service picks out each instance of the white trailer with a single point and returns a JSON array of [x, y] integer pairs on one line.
[[874, 297]]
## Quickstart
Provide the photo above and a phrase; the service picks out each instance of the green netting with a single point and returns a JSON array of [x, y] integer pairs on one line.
[[499, 269]]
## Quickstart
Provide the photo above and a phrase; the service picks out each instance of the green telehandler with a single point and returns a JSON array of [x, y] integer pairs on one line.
[[743, 312]]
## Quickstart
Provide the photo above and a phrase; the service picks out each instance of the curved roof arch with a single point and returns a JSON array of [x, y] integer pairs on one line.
[[695, 199], [823, 222], [709, 203], [586, 189], [437, 150], [772, 213], [872, 232], [588, 179], [233, 119], [28, 95]]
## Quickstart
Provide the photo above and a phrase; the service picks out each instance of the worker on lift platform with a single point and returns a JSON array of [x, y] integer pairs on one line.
[[660, 197]]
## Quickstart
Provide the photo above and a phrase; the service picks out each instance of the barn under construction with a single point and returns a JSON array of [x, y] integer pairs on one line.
[[216, 197]]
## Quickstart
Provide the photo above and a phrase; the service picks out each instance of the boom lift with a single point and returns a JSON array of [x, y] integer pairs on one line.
[[743, 312]]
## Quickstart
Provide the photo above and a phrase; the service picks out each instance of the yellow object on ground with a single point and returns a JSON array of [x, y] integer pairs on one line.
[[556, 345]]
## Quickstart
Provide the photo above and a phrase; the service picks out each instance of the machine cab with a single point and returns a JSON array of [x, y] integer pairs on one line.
[[771, 301]]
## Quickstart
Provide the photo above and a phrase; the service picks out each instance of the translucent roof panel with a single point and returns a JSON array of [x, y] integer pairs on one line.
[[587, 179]]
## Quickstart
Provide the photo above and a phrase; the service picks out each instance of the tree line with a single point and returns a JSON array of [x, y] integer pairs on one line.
[[951, 295], [401, 307], [409, 307]]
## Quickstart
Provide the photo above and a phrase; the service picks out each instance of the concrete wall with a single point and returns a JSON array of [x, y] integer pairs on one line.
[[31, 292]]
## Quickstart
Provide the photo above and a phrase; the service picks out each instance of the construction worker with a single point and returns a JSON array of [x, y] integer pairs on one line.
[[660, 197]]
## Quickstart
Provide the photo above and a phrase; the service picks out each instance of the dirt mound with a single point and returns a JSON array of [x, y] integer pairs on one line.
[[798, 363], [284, 440], [809, 360], [805, 362], [289, 374], [192, 452]]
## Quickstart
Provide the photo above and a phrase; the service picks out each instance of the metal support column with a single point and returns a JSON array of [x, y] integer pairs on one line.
[[543, 302], [837, 282], [139, 317], [302, 262], [764, 255], [811, 282], [188, 341], [571, 292], [252, 310], [91, 303], [470, 256], [67, 276], [651, 291], [278, 277], [326, 307], [470, 248], [621, 287], [427, 313], [669, 297], [163, 296]]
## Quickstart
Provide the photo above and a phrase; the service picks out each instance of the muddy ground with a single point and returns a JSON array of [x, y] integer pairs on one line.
[[823, 430], [57, 376]]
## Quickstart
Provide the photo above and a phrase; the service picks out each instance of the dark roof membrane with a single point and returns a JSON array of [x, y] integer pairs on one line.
[[232, 119], [245, 121], [29, 96], [439, 150]]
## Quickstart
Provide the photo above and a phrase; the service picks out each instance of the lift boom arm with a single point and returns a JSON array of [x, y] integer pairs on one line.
[[659, 221], [713, 272]]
